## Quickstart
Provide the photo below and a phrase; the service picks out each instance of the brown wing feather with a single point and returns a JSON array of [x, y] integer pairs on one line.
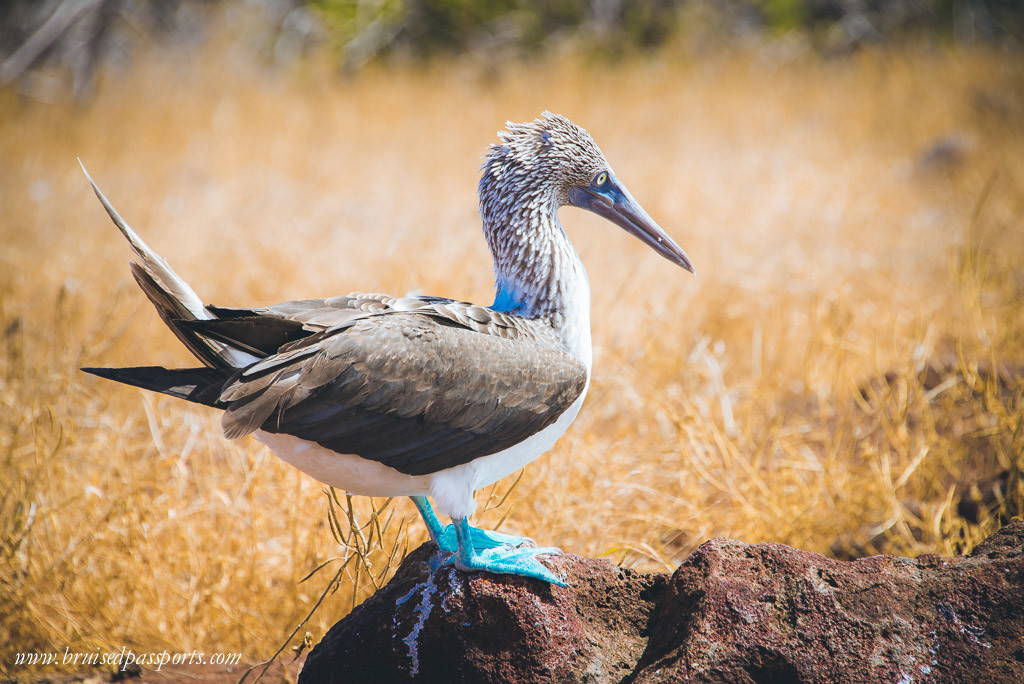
[[317, 315], [173, 313], [408, 391], [257, 335]]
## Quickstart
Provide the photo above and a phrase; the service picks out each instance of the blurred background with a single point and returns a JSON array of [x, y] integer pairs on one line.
[[843, 375]]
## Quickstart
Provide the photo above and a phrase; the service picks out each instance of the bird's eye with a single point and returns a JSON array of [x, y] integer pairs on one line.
[[601, 179]]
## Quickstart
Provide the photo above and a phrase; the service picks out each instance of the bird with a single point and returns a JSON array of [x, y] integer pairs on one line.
[[419, 396]]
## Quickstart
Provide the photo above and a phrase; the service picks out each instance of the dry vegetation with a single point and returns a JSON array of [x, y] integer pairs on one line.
[[842, 370]]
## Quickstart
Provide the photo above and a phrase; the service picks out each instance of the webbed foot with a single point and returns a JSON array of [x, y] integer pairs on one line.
[[446, 538], [474, 549], [501, 557], [509, 561]]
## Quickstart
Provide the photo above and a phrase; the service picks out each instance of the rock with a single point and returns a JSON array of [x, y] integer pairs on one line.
[[732, 612], [738, 612], [443, 625]]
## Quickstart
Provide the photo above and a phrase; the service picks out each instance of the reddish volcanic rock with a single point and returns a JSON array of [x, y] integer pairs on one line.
[[738, 612], [732, 612], [447, 626]]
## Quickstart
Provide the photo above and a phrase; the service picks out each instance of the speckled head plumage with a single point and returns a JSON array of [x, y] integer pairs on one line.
[[542, 159], [539, 166]]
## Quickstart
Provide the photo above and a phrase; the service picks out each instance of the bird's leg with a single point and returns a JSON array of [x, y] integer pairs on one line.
[[500, 558], [445, 536], [442, 535]]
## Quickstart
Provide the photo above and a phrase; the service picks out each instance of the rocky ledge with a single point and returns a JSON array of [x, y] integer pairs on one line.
[[732, 612]]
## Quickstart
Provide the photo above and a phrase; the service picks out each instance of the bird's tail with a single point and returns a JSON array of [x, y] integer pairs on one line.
[[174, 299], [198, 385]]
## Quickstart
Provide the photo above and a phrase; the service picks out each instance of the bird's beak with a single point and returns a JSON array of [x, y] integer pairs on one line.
[[613, 201]]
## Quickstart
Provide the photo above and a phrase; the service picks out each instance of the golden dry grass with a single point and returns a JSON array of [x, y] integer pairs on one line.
[[824, 382]]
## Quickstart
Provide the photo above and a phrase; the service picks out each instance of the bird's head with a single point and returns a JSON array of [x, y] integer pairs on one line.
[[551, 162]]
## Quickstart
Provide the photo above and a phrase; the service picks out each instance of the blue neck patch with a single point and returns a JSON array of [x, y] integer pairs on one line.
[[507, 299]]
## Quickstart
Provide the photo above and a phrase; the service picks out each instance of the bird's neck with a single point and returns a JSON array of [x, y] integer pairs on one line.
[[535, 265], [537, 271]]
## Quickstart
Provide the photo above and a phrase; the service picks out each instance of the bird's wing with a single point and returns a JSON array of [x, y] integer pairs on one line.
[[316, 315], [263, 331], [420, 390]]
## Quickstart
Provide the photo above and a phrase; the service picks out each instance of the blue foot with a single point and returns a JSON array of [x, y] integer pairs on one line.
[[446, 538], [510, 561], [473, 549], [501, 559]]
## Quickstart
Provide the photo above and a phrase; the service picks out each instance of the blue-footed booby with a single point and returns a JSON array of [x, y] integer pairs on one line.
[[419, 396]]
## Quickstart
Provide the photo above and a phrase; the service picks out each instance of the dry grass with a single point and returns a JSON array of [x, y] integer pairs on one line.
[[826, 381]]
